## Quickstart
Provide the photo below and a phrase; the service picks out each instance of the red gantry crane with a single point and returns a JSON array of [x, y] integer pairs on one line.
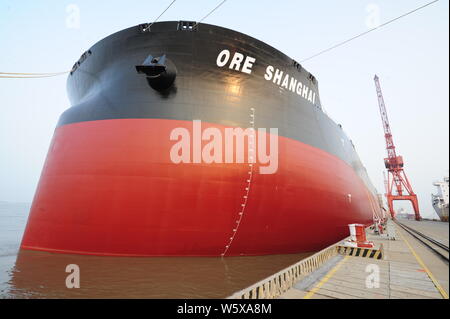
[[398, 186]]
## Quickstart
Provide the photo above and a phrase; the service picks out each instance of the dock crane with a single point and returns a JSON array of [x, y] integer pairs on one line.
[[398, 186]]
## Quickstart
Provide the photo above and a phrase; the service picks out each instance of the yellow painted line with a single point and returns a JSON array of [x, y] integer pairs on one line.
[[422, 264], [325, 279]]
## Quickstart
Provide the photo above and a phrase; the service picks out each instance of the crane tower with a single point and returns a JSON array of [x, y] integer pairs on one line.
[[397, 185]]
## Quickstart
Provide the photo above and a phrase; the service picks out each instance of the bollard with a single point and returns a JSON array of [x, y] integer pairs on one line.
[[358, 237]]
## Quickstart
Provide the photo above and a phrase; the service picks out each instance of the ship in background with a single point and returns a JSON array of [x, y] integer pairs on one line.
[[109, 186], [440, 200], [403, 214]]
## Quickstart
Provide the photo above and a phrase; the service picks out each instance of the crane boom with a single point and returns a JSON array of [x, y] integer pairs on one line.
[[397, 182], [384, 118]]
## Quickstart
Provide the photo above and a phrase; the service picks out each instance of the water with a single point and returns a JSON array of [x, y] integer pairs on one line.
[[13, 218], [32, 274]]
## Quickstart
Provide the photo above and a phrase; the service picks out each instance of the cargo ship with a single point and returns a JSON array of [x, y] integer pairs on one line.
[[188, 139], [440, 200]]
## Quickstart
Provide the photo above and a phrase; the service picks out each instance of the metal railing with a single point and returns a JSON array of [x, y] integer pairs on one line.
[[275, 285]]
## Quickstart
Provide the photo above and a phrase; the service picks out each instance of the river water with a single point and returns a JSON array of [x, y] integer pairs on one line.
[[32, 274]]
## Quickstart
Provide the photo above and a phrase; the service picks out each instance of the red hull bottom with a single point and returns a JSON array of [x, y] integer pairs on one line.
[[109, 188]]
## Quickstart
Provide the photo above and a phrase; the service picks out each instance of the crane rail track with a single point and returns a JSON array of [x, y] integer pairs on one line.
[[427, 241]]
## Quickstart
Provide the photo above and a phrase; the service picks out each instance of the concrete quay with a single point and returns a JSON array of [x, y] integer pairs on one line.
[[408, 270]]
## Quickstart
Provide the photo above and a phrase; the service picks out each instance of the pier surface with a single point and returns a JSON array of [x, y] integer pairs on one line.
[[436, 230], [408, 270]]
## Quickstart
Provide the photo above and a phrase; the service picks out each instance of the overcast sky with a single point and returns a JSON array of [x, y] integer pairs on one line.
[[410, 56]]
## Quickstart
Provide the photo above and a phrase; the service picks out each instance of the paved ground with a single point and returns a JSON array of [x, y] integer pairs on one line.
[[440, 232], [435, 230], [402, 274]]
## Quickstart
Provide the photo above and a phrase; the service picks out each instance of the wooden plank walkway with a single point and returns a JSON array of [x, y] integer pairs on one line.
[[400, 275]]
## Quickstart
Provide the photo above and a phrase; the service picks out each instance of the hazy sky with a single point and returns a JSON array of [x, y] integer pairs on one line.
[[410, 56]]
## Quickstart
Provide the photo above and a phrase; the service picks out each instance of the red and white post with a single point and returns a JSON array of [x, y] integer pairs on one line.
[[358, 237]]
